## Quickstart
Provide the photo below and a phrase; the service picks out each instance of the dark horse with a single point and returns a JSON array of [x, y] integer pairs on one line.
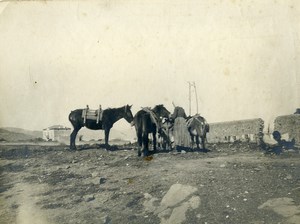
[[148, 121], [198, 128], [109, 117], [196, 125]]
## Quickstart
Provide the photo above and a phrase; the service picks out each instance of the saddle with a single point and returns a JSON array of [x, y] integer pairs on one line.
[[199, 118], [95, 115]]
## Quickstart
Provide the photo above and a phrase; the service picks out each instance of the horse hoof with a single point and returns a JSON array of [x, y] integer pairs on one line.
[[146, 154]]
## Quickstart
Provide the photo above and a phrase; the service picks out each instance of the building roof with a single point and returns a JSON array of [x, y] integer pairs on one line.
[[57, 127]]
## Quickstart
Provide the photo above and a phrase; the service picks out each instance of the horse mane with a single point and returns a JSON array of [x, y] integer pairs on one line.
[[158, 106], [114, 109]]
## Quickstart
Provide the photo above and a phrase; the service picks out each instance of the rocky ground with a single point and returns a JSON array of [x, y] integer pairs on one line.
[[232, 183]]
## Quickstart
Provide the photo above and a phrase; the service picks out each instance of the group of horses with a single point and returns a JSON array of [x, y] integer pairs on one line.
[[146, 121]]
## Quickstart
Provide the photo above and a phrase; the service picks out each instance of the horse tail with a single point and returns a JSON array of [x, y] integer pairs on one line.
[[207, 127], [73, 116]]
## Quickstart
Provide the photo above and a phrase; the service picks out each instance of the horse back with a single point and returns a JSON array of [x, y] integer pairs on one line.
[[77, 120], [142, 122], [197, 124]]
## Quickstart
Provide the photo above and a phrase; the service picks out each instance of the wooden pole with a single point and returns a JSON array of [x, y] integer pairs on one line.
[[196, 96], [190, 99]]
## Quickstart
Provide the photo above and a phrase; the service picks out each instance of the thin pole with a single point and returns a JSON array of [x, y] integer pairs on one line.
[[189, 98], [196, 96]]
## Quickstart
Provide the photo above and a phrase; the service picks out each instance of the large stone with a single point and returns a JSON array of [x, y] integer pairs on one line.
[[285, 207], [176, 194], [178, 214], [174, 205]]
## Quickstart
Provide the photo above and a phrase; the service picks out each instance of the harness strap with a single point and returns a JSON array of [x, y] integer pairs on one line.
[[189, 122]]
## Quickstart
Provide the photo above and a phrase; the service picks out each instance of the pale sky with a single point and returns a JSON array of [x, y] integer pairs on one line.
[[57, 56]]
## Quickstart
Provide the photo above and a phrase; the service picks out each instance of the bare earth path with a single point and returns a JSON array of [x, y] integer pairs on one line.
[[233, 183]]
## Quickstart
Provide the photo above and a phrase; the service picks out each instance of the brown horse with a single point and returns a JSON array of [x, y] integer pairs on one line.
[[109, 117], [148, 121]]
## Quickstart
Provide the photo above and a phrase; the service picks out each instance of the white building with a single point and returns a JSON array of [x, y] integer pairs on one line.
[[56, 133]]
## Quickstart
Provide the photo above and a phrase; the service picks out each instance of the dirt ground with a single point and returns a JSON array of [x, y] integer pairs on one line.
[[233, 183]]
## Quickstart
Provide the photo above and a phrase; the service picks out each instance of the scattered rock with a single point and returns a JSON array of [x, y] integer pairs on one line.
[[288, 177], [106, 220], [88, 198], [95, 174], [102, 180]]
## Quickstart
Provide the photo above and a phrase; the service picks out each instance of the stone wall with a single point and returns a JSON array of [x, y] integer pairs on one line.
[[289, 124], [244, 130]]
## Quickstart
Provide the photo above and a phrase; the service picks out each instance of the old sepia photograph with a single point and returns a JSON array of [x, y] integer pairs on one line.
[[153, 112]]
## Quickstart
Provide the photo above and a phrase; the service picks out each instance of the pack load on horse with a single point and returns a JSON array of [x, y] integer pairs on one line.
[[87, 113], [97, 120], [148, 121], [198, 128], [188, 130]]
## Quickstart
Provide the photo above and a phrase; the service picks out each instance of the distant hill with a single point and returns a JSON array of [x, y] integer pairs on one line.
[[18, 134], [10, 134], [35, 134]]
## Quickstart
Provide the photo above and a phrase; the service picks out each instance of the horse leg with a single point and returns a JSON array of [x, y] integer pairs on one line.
[[198, 141], [106, 133], [192, 141], [140, 143], [145, 144], [203, 139], [154, 141], [73, 138]]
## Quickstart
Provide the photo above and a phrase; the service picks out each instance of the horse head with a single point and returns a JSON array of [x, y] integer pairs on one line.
[[128, 114], [161, 111]]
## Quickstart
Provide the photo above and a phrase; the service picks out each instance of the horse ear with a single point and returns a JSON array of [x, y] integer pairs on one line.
[[130, 106]]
